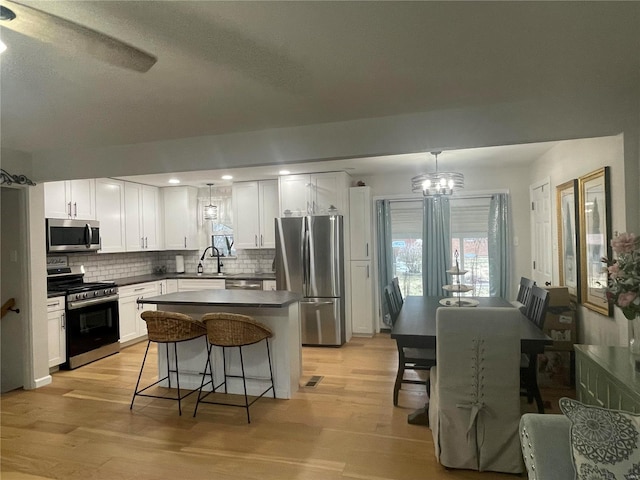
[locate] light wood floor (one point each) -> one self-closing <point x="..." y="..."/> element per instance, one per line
<point x="346" y="427"/>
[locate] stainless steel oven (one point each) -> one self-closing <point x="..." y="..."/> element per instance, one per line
<point x="92" y="326"/>
<point x="92" y="316"/>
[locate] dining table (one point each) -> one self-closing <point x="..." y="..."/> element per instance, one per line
<point x="415" y="327"/>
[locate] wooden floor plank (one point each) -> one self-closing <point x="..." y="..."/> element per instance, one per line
<point x="344" y="427"/>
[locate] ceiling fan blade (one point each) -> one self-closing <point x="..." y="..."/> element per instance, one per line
<point x="76" y="38"/>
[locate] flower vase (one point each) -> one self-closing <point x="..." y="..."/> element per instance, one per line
<point x="634" y="342"/>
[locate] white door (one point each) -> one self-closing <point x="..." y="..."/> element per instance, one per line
<point x="268" y="205"/>
<point x="541" y="242"/>
<point x="57" y="203"/>
<point x="246" y="230"/>
<point x="13" y="258"/>
<point x="150" y="217"/>
<point x="362" y="297"/>
<point x="83" y="199"/>
<point x="294" y="194"/>
<point x="324" y="192"/>
<point x="133" y="213"/>
<point x="110" y="214"/>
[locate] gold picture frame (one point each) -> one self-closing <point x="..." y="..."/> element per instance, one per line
<point x="567" y="206"/>
<point x="595" y="236"/>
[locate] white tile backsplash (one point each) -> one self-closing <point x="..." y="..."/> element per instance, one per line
<point x="108" y="266"/>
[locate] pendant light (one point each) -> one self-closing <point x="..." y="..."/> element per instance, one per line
<point x="211" y="210"/>
<point x="437" y="183"/>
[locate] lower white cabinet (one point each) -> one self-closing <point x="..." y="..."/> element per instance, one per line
<point x="171" y="286"/>
<point x="195" y="284"/>
<point x="362" y="318"/>
<point x="132" y="327"/>
<point x="269" y="285"/>
<point x="56" y="331"/>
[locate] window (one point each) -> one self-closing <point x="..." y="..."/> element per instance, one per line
<point x="406" y="242"/>
<point x="469" y="237"/>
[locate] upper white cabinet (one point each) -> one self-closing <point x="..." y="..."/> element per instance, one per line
<point x="255" y="206"/>
<point x="110" y="214"/>
<point x="143" y="221"/>
<point x="70" y="199"/>
<point x="360" y="222"/>
<point x="180" y="218"/>
<point x="313" y="194"/>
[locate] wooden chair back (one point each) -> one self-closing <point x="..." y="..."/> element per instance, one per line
<point x="393" y="306"/>
<point x="537" y="306"/>
<point x="524" y="292"/>
<point x="396" y="289"/>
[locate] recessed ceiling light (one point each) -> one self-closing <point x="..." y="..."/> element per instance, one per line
<point x="284" y="172"/>
<point x="227" y="177"/>
<point x="174" y="181"/>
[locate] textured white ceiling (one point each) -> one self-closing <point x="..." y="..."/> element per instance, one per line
<point x="244" y="66"/>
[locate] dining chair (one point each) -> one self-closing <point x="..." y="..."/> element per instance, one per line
<point x="416" y="359"/>
<point x="536" y="312"/>
<point x="524" y="294"/>
<point x="474" y="408"/>
<point x="396" y="288"/>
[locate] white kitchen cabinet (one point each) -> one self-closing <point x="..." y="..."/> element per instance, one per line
<point x="180" y="218"/>
<point x="56" y="331"/>
<point x="197" y="284"/>
<point x="313" y="194"/>
<point x="132" y="327"/>
<point x="171" y="286"/>
<point x="75" y="199"/>
<point x="142" y="217"/>
<point x="110" y="213"/>
<point x="360" y="223"/>
<point x="269" y="285"/>
<point x="362" y="318"/>
<point x="255" y="206"/>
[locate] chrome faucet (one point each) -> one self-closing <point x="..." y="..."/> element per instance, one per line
<point x="216" y="254"/>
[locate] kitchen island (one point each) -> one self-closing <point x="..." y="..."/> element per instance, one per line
<point x="279" y="310"/>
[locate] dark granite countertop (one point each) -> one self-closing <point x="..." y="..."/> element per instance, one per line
<point x="152" y="277"/>
<point x="227" y="298"/>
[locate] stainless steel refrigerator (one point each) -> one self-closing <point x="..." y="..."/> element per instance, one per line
<point x="310" y="260"/>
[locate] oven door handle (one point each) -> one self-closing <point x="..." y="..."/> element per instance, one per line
<point x="92" y="301"/>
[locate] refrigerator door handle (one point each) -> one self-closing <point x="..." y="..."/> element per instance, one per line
<point x="318" y="303"/>
<point x="305" y="257"/>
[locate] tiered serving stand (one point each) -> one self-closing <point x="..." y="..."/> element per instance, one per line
<point x="458" y="288"/>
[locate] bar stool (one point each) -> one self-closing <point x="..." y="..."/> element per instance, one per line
<point x="233" y="330"/>
<point x="168" y="327"/>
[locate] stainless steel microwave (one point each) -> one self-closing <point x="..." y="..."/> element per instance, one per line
<point x="72" y="235"/>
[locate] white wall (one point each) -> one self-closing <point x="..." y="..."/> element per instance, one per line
<point x="569" y="160"/>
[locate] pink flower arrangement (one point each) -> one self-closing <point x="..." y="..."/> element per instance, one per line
<point x="623" y="286"/>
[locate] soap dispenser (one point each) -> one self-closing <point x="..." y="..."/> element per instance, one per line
<point x="200" y="268"/>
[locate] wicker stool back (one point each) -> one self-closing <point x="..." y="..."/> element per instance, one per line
<point x="168" y="328"/>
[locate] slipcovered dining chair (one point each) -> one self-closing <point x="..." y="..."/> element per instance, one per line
<point x="536" y="313"/>
<point x="226" y="330"/>
<point x="417" y="359"/>
<point x="474" y="410"/>
<point x="168" y="328"/>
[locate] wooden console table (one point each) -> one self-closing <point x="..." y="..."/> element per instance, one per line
<point x="606" y="378"/>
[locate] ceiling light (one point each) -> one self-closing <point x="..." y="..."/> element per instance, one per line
<point x="3" y="47"/>
<point x="210" y="211"/>
<point x="174" y="181"/>
<point x="436" y="183"/>
<point x="284" y="172"/>
<point x="227" y="177"/>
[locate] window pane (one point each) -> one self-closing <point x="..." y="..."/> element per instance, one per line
<point x="406" y="236"/>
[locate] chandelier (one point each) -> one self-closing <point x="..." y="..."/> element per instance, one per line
<point x="210" y="211"/>
<point x="437" y="183"/>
